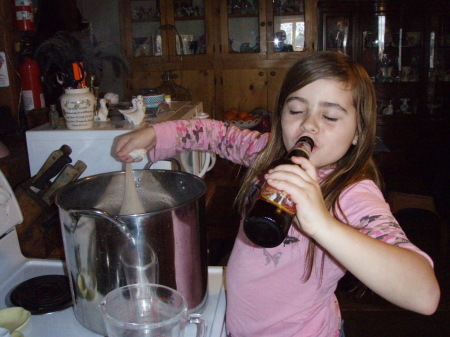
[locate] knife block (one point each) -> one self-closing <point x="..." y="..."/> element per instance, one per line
<point x="39" y="234"/>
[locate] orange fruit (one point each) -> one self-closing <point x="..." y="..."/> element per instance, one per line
<point x="230" y="116"/>
<point x="234" y="111"/>
<point x="243" y="114"/>
<point x="250" y="118"/>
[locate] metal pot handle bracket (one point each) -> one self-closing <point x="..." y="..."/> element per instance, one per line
<point x="77" y="212"/>
<point x="173" y="160"/>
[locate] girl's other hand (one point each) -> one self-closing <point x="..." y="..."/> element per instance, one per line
<point x="140" y="139"/>
<point x="301" y="183"/>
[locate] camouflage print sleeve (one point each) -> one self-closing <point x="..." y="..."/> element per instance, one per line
<point x="228" y="141"/>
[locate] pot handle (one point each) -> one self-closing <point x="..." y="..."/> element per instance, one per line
<point x="173" y="160"/>
<point x="76" y="213"/>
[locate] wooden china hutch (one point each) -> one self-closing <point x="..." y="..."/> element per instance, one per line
<point x="235" y="53"/>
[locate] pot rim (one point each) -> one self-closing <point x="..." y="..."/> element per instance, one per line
<point x="80" y="181"/>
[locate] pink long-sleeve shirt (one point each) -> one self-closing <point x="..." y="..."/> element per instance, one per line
<point x="266" y="295"/>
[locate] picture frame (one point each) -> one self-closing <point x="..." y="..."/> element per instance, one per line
<point x="338" y="33"/>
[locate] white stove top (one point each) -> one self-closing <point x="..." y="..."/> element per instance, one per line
<point x="15" y="269"/>
<point x="64" y="323"/>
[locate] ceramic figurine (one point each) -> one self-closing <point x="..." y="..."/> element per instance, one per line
<point x="131" y="109"/>
<point x="389" y="110"/>
<point x="102" y="112"/>
<point x="135" y="117"/>
<point x="404" y="107"/>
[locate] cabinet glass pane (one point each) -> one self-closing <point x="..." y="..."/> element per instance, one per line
<point x="396" y="47"/>
<point x="190" y="26"/>
<point x="289" y="25"/>
<point x="243" y="26"/>
<point x="145" y="21"/>
<point x="442" y="63"/>
<point x="443" y="50"/>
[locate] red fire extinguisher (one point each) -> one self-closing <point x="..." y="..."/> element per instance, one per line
<point x="24" y="10"/>
<point x="32" y="89"/>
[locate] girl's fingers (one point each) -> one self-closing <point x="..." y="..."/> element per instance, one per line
<point x="140" y="139"/>
<point x="293" y="173"/>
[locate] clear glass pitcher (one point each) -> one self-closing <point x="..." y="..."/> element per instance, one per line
<point x="148" y="310"/>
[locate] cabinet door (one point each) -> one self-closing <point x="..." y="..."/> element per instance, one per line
<point x="275" y="78"/>
<point x="201" y="85"/>
<point x="244" y="89"/>
<point x="142" y="22"/>
<point x="291" y="27"/>
<point x="268" y="29"/>
<point x="339" y="33"/>
<point x="393" y="51"/>
<point x="242" y="29"/>
<point x="189" y="23"/>
<point x="168" y="28"/>
<point x="441" y="98"/>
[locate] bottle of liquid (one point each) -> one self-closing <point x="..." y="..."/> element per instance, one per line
<point x="269" y="219"/>
<point x="53" y="117"/>
<point x="176" y="92"/>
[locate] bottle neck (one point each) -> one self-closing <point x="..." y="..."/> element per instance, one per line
<point x="302" y="148"/>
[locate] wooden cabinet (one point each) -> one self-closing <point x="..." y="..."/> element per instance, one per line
<point x="247" y="89"/>
<point x="228" y="57"/>
<point x="398" y="43"/>
<point x="441" y="25"/>
<point x="166" y="35"/>
<point x="259" y="43"/>
<point x="259" y="29"/>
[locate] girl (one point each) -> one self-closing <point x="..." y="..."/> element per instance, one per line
<point x="342" y="221"/>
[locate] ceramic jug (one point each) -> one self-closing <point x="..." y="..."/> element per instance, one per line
<point x="78" y="107"/>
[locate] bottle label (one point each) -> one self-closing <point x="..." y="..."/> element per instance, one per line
<point x="28" y="101"/>
<point x="278" y="198"/>
<point x="301" y="149"/>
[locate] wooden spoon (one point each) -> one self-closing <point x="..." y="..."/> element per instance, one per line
<point x="131" y="202"/>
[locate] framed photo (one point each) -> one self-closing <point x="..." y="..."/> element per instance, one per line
<point x="338" y="34"/>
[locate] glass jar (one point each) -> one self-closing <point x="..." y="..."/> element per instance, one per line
<point x="176" y="92"/>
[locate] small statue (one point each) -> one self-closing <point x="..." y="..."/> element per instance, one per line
<point x="102" y="112"/>
<point x="135" y="115"/>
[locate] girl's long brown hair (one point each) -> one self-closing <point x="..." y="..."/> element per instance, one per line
<point x="357" y="164"/>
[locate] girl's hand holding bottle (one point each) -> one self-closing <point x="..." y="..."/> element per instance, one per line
<point x="301" y="183"/>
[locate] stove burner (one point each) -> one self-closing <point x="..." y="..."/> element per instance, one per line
<point x="43" y="294"/>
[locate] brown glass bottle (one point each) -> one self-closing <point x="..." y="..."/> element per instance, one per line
<point x="270" y="217"/>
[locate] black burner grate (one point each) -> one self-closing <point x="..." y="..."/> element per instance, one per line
<point x="43" y="294"/>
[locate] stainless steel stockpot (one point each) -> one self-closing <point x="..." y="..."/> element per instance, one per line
<point x="96" y="238"/>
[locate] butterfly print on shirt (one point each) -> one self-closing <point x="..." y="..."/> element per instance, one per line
<point x="289" y="240"/>
<point x="275" y="258"/>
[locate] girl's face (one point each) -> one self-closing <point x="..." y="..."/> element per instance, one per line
<point x="324" y="111"/>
